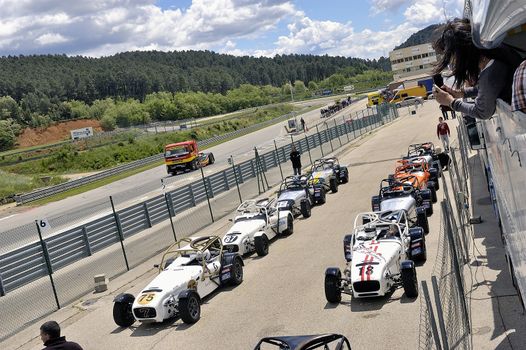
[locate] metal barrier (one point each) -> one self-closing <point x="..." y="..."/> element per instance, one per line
<point x="71" y="257"/>
<point x="505" y="138"/>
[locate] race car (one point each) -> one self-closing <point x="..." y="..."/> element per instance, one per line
<point x="190" y="269"/>
<point x="425" y="150"/>
<point x="330" y="170"/>
<point x="418" y="167"/>
<point x="305" y="342"/>
<point x="296" y="195"/>
<point x="380" y="257"/>
<point x="257" y="222"/>
<point x="394" y="196"/>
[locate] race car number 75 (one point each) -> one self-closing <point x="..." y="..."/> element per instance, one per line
<point x="146" y="298"/>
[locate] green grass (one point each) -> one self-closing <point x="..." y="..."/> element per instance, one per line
<point x="108" y="180"/>
<point x="11" y="184"/>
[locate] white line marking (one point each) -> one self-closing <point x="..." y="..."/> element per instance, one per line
<point x="7" y="217"/>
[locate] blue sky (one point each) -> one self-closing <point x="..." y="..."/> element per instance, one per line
<point x="357" y="28"/>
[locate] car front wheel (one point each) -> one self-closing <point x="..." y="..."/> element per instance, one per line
<point x="190" y="308"/>
<point x="410" y="282"/>
<point x="261" y="245"/>
<point x="122" y="314"/>
<point x="333" y="293"/>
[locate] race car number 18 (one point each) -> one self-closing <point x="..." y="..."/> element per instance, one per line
<point x="368" y="270"/>
<point x="146" y="298"/>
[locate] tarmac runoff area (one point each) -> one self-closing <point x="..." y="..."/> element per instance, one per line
<point x="283" y="294"/>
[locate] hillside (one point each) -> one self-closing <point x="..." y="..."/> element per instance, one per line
<point x="423" y="36"/>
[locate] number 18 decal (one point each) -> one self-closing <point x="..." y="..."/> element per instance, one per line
<point x="368" y="270"/>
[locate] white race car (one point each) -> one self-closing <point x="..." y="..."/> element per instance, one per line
<point x="190" y="269"/>
<point x="256" y="223"/>
<point x="296" y="196"/>
<point x="380" y="257"/>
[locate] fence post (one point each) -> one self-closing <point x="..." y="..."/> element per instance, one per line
<point x="431" y="315"/>
<point x="440" y="313"/>
<point x="2" y="288"/>
<point x="308" y="148"/>
<point x="276" y="156"/>
<point x="48" y="263"/>
<point x="191" y="194"/>
<point x="225" y="179"/>
<point x="329" y="135"/>
<point x="337" y="132"/>
<point x="147" y="214"/>
<point x="346" y="127"/>
<point x="171" y="212"/>
<point x="119" y="231"/>
<point x="319" y="138"/>
<point x="86" y="240"/>
<point x="253" y="168"/>
<point x="206" y="193"/>
<point x="231" y="161"/>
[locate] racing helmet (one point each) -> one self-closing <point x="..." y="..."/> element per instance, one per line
<point x="438" y="150"/>
<point x="369" y="231"/>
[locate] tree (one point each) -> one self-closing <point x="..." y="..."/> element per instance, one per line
<point x="313" y="86"/>
<point x="7" y="135"/>
<point x="299" y="87"/>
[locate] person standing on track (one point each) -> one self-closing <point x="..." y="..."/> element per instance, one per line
<point x="295" y="158"/>
<point x="443" y="133"/>
<point x="303" y="124"/>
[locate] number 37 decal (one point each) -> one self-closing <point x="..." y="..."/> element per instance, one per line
<point x="146" y="298"/>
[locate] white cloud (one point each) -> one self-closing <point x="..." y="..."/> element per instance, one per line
<point x="378" y="6"/>
<point x="50" y="38"/>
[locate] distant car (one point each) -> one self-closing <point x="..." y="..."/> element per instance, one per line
<point x="190" y="269"/>
<point x="380" y="257"/>
<point x="256" y="223"/>
<point x="410" y="101"/>
<point x="296" y="195"/>
<point x="305" y="342"/>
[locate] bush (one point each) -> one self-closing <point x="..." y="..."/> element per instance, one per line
<point x="7" y="135"/>
<point x="108" y="123"/>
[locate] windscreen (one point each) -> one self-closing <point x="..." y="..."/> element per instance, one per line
<point x="177" y="151"/>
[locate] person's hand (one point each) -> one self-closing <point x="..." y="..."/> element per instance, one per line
<point x="442" y="97"/>
<point x="453" y="92"/>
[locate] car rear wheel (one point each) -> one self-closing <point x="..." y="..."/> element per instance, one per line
<point x="290" y="226"/>
<point x="261" y="244"/>
<point x="410" y="282"/>
<point x="190" y="308"/>
<point x="421" y="221"/>
<point x="122" y="314"/>
<point x="323" y="196"/>
<point x="305" y="208"/>
<point x="237" y="272"/>
<point x="211" y="159"/>
<point x="333" y="293"/>
<point x="431" y="186"/>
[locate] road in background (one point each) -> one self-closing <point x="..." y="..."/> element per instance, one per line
<point x="17" y="224"/>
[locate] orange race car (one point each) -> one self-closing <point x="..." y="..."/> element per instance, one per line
<point x="420" y="175"/>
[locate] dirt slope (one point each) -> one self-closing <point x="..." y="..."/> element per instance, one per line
<point x="54" y="133"/>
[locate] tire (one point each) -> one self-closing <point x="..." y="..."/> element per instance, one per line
<point x="333" y="184"/>
<point x="410" y="282"/>
<point x="122" y="314"/>
<point x="398" y="105"/>
<point x="437" y="185"/>
<point x="431" y="186"/>
<point x="211" y="159"/>
<point x="421" y="221"/>
<point x="429" y="210"/>
<point x="305" y="208"/>
<point x="261" y="244"/>
<point x="333" y="293"/>
<point x="237" y="272"/>
<point x="193" y="165"/>
<point x="290" y="226"/>
<point x="190" y="309"/>
<point x="345" y="178"/>
<point x="323" y="197"/>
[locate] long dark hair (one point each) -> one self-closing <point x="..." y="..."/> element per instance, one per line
<point x="455" y="45"/>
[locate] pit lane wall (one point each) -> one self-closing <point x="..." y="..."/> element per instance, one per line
<point x="505" y="165"/>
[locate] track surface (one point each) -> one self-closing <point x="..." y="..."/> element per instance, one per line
<point x="282" y="293"/>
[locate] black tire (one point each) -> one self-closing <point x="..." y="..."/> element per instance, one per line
<point x="333" y="182"/>
<point x="431" y="186"/>
<point x="323" y="196"/>
<point x="193" y="166"/>
<point x="410" y="282"/>
<point x="421" y="221"/>
<point x="122" y="314"/>
<point x="290" y="226"/>
<point x="398" y="105"/>
<point x="429" y="210"/>
<point x="211" y="159"/>
<point x="237" y="272"/>
<point x="305" y="208"/>
<point x="190" y="308"/>
<point x="333" y="293"/>
<point x="345" y="178"/>
<point x="437" y="185"/>
<point x="261" y="244"/>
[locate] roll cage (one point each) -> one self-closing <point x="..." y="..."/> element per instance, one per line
<point x="419" y="149"/>
<point x="396" y="188"/>
<point x="260" y="208"/>
<point x="381" y="221"/>
<point x="324" y="163"/>
<point x="292" y="183"/>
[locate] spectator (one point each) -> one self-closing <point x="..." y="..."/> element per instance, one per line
<point x="489" y="72"/>
<point x="443" y="158"/>
<point x="303" y="124"/>
<point x="443" y="109"/>
<point x="518" y="97"/>
<point x="443" y="133"/>
<point x="50" y="335"/>
<point x="295" y="158"/>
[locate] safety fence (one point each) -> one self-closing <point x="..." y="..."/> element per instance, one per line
<point x="60" y="265"/>
<point x="445" y="313"/>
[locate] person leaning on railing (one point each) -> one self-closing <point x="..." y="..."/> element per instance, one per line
<point x="489" y="72"/>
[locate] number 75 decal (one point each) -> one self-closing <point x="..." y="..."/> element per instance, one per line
<point x="146" y="298"/>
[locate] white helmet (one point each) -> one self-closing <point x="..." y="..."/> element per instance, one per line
<point x="369" y="231"/>
<point x="438" y="150"/>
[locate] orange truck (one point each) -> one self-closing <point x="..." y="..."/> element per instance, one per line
<point x="185" y="155"/>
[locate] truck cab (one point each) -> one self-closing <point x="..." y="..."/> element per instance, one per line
<point x="185" y="155"/>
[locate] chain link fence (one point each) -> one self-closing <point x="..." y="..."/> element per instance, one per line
<point x="56" y="259"/>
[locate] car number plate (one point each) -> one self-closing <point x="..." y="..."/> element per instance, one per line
<point x="417" y="251"/>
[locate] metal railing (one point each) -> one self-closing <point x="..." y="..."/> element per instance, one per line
<point x="72" y="256"/>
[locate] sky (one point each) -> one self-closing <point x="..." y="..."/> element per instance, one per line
<point x="350" y="28"/>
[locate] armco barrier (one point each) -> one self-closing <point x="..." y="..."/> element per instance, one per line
<point x="26" y="264"/>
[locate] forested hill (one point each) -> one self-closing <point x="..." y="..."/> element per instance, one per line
<point x="423" y="36"/>
<point x="136" y="74"/>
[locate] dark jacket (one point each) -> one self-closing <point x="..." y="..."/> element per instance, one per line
<point x="61" y="344"/>
<point x="295" y="158"/>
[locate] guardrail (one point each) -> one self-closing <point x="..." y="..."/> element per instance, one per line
<point x="29" y="263"/>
